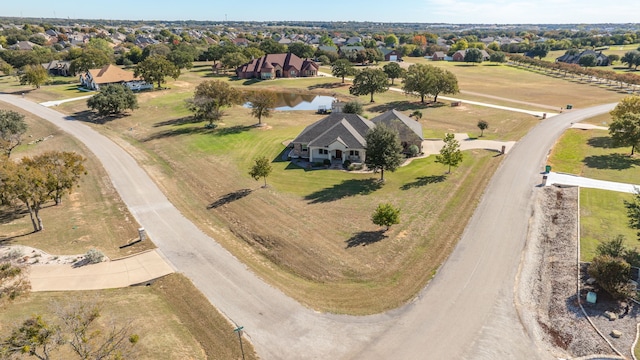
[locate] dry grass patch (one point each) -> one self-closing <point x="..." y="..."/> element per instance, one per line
<point x="173" y="319"/>
<point x="93" y="216"/>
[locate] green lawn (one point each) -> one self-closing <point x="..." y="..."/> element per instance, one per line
<point x="589" y="153"/>
<point x="602" y="217"/>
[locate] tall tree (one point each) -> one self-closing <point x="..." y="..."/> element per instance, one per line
<point x="341" y="68"/>
<point x="155" y="69"/>
<point x="90" y="58"/>
<point x="233" y="59"/>
<point x="631" y="58"/>
<point x="588" y="61"/>
<point x="28" y="184"/>
<point x="63" y="170"/>
<point x="113" y="99"/>
<point x="393" y="71"/>
<point x="270" y="46"/>
<point x="302" y="50"/>
<point x="383" y="150"/>
<point x="391" y="40"/>
<point x="540" y="50"/>
<point x="445" y="82"/>
<point x="261" y="169"/>
<point x="473" y="55"/>
<point x="498" y="57"/>
<point x="386" y="215"/>
<point x="369" y="82"/>
<point x="625" y="130"/>
<point x="211" y="98"/>
<point x="12" y="127"/>
<point x="419" y="79"/>
<point x="628" y="104"/>
<point x="35" y="75"/>
<point x="450" y="153"/>
<point x="262" y="103"/>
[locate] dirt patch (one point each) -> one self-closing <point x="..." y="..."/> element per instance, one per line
<point x="548" y="286"/>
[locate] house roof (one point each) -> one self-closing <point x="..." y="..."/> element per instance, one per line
<point x="111" y="74"/>
<point x="269" y="61"/>
<point x="350" y="129"/>
<point x="397" y="120"/>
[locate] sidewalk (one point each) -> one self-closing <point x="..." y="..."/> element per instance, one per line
<point x="433" y="146"/>
<point x="58" y="102"/>
<point x="574" y="180"/>
<point x="110" y="274"/>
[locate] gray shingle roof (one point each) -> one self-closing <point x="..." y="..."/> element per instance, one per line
<point x="389" y="119"/>
<point x="350" y="129"/>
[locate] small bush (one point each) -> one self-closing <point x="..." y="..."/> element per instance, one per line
<point x="353" y="107"/>
<point x="326" y="162"/>
<point x="354" y="167"/>
<point x="94" y="256"/>
<point x="346" y="164"/>
<point x="413" y="150"/>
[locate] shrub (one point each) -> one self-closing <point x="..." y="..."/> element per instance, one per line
<point x="354" y="167"/>
<point x="353" y="107"/>
<point x="414" y="150"/>
<point x="612" y="274"/>
<point x="346" y="164"/>
<point x="326" y="162"/>
<point x="94" y="256"/>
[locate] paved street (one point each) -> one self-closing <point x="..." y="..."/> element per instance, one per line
<point x="467" y="311"/>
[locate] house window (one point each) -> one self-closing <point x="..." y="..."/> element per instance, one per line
<point x="324" y="152"/>
<point x="293" y="73"/>
<point x="354" y="153"/>
<point x="304" y="148"/>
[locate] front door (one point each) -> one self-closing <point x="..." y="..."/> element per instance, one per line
<point x="338" y="154"/>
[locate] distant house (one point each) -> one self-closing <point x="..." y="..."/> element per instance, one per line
<point x="439" y="56"/>
<point x="240" y="42"/>
<point x="459" y="55"/>
<point x="574" y="58"/>
<point x="23" y="45"/>
<point x="340" y="137"/>
<point x="111" y="74"/>
<point x="273" y="66"/>
<point x="409" y="130"/>
<point x="391" y="55"/>
<point x="58" y="68"/>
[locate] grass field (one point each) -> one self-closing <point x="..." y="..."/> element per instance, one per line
<point x="93" y="216"/>
<point x="589" y="153"/>
<point x="170" y="324"/>
<point x="309" y="232"/>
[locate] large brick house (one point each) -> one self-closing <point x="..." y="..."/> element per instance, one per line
<point x="273" y="66"/>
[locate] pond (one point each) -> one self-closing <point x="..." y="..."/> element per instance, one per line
<point x="293" y="101"/>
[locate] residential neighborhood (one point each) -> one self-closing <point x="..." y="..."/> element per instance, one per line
<point x="163" y="196"/>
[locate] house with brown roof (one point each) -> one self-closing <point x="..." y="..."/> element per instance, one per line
<point x="111" y="74"/>
<point x="273" y="66"/>
<point x="439" y="56"/>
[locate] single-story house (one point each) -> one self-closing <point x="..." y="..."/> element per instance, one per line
<point x="574" y="58"/>
<point x="340" y="137"/>
<point x="459" y="55"/>
<point x="111" y="74"/>
<point x="409" y="130"/>
<point x="439" y="56"/>
<point x="273" y="66"/>
<point x="58" y="68"/>
<point x="391" y="55"/>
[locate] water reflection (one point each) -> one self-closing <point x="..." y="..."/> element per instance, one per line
<point x="294" y="101"/>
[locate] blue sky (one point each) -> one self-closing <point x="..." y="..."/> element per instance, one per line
<point x="427" y="11"/>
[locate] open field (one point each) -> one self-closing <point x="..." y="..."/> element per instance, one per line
<point x="602" y="213"/>
<point x="501" y="80"/>
<point x="309" y="232"/>
<point x="93" y="216"/>
<point x="168" y="326"/>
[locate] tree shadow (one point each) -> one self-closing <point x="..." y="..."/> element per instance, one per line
<point x="9" y="214"/>
<point x="611" y="161"/>
<point x="232" y="130"/>
<point x="404" y="106"/>
<point x="364" y="238"/>
<point x="92" y="117"/>
<point x="177" y="122"/>
<point x="344" y="189"/>
<point x="229" y="198"/>
<point x="333" y="85"/>
<point x="604" y="142"/>
<point x="177" y="132"/>
<point x="424" y="180"/>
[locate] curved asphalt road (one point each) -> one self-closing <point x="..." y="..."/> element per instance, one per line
<point x="467" y="311"/>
